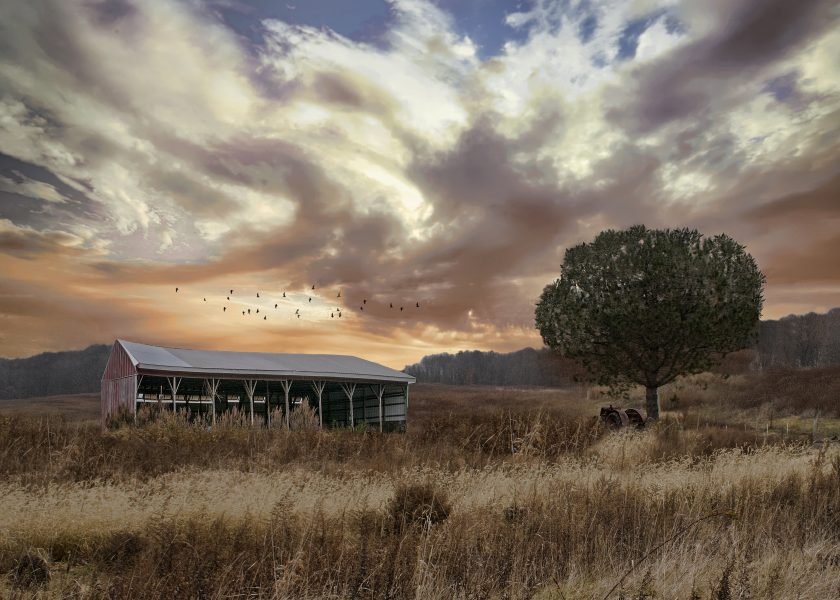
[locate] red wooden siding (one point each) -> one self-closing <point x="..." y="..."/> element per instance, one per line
<point x="119" y="385"/>
<point x="119" y="364"/>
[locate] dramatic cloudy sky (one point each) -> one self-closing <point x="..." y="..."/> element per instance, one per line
<point x="398" y="150"/>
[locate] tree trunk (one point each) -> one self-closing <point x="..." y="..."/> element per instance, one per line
<point x="652" y="398"/>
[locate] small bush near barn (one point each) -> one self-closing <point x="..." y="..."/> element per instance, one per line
<point x="417" y="504"/>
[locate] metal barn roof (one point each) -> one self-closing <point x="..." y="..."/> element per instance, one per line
<point x="257" y="364"/>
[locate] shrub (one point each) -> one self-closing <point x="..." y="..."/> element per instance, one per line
<point x="513" y="514"/>
<point x="418" y="504"/>
<point x="304" y="418"/>
<point x="30" y="570"/>
<point x="723" y="590"/>
<point x="119" y="550"/>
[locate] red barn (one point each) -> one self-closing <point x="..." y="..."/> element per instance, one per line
<point x="342" y="390"/>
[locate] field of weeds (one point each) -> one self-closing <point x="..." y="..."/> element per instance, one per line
<point x="491" y="494"/>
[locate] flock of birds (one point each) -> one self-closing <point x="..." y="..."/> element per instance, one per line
<point x="334" y="313"/>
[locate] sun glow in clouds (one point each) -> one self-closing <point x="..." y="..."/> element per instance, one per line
<point x="149" y="145"/>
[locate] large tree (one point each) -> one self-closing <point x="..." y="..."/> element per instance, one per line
<point x="644" y="306"/>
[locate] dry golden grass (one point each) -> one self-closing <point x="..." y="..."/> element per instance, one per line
<point x="73" y="407"/>
<point x="527" y="497"/>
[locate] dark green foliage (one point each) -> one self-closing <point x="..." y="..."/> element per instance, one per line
<point x="644" y="306"/>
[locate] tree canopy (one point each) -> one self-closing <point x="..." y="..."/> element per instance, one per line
<point x="644" y="306"/>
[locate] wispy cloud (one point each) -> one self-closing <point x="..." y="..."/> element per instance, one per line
<point x="148" y="144"/>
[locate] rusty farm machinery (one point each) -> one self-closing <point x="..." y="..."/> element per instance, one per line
<point x="619" y="418"/>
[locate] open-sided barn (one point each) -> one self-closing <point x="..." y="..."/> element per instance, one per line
<point x="343" y="390"/>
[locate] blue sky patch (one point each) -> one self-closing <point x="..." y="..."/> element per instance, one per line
<point x="587" y="27"/>
<point x="783" y="88"/>
<point x="628" y="41"/>
<point x="368" y="20"/>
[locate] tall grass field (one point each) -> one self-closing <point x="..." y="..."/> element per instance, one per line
<point x="491" y="494"/>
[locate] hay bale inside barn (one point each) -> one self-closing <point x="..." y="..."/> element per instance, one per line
<point x="344" y="391"/>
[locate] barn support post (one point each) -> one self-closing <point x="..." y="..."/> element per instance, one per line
<point x="267" y="405"/>
<point x="349" y="390"/>
<point x="287" y="385"/>
<point x="380" y="391"/>
<point x="216" y="384"/>
<point x="250" y="387"/>
<point x="364" y="404"/>
<point x="318" y="386"/>
<point x="174" y="384"/>
<point x="406" y="406"/>
<point x="138" y="380"/>
<point x="212" y="386"/>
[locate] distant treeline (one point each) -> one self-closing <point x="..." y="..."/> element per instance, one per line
<point x="51" y="373"/>
<point x="523" y="367"/>
<point x="811" y="340"/>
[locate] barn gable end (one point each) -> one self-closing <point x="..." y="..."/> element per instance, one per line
<point x="118" y="389"/>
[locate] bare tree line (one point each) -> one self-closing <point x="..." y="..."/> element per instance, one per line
<point x="52" y="373"/>
<point x="811" y="340"/>
<point x="796" y="341"/>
